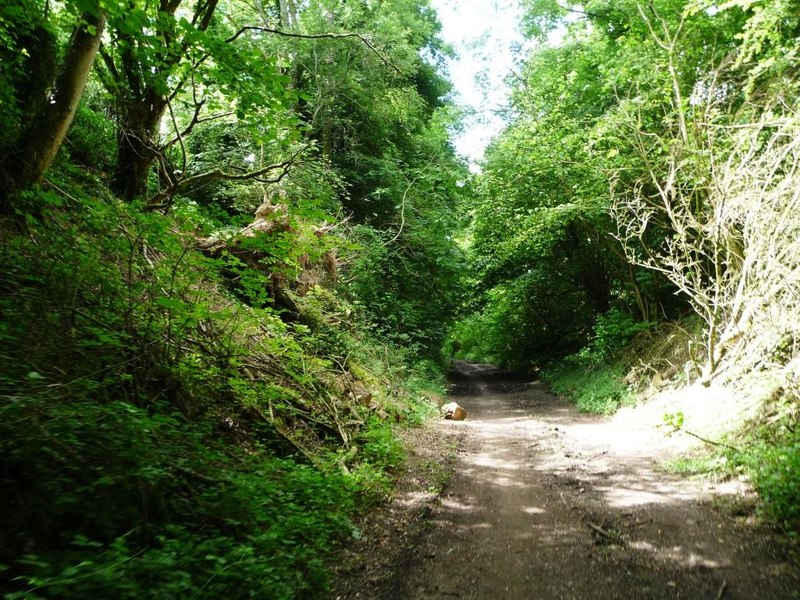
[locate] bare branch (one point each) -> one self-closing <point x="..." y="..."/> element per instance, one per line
<point x="163" y="199"/>
<point x="402" y="213"/>
<point x="178" y="134"/>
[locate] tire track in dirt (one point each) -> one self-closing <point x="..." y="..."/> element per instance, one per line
<point x="546" y="503"/>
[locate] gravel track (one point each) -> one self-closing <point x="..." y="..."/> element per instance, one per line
<point x="546" y="503"/>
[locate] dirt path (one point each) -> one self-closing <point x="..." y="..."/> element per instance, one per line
<point x="548" y="504"/>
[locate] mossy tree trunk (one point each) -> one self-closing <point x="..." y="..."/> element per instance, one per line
<point x="40" y="143"/>
<point x="143" y="91"/>
<point x="137" y="144"/>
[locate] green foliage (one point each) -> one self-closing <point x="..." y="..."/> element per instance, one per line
<point x="613" y="331"/>
<point x="381" y="447"/>
<point x="182" y="394"/>
<point x="594" y="378"/>
<point x="92" y="137"/>
<point x="699" y="465"/>
<point x="768" y="454"/>
<point x="648" y="148"/>
<point x="28" y="54"/>
<point x="425" y="385"/>
<point x="546" y="257"/>
<point x="160" y="438"/>
<point x="542" y="254"/>
<point x="772" y="459"/>
<point x="406" y="287"/>
<point x="767" y="42"/>
<point x="595" y="388"/>
<point x="379" y="452"/>
<point x="379" y="122"/>
<point x="475" y="338"/>
<point x="674" y="420"/>
<point x="266" y="531"/>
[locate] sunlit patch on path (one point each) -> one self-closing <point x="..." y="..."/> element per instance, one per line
<point x="547" y="503"/>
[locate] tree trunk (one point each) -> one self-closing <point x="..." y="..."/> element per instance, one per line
<point x="137" y="145"/>
<point x="42" y="140"/>
<point x="140" y="102"/>
<point x="327" y="138"/>
<point x="292" y="10"/>
<point x="283" y="10"/>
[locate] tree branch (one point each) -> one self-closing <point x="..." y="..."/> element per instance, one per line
<point x="163" y="199"/>
<point x="178" y="134"/>
<point x="112" y="70"/>
<point x="317" y="36"/>
<point x="583" y="13"/>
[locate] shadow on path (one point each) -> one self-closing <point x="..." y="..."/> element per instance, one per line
<point x="547" y="503"/>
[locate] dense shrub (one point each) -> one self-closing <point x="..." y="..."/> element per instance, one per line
<point x="594" y="378"/>
<point x="595" y="388"/>
<point x="159" y="438"/>
<point x="772" y="457"/>
<point x="613" y="331"/>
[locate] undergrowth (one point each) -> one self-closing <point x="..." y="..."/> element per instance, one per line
<point x="595" y="377"/>
<point x="770" y="455"/>
<point x="595" y="388"/>
<point x="169" y="429"/>
<point x="700" y="465"/>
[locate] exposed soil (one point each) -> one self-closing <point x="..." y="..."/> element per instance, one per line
<point x="545" y="503"/>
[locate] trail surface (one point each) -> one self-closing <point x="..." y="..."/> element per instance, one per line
<point x="546" y="503"/>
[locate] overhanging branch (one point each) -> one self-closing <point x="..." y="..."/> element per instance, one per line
<point x="163" y="198"/>
<point x="318" y="36"/>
